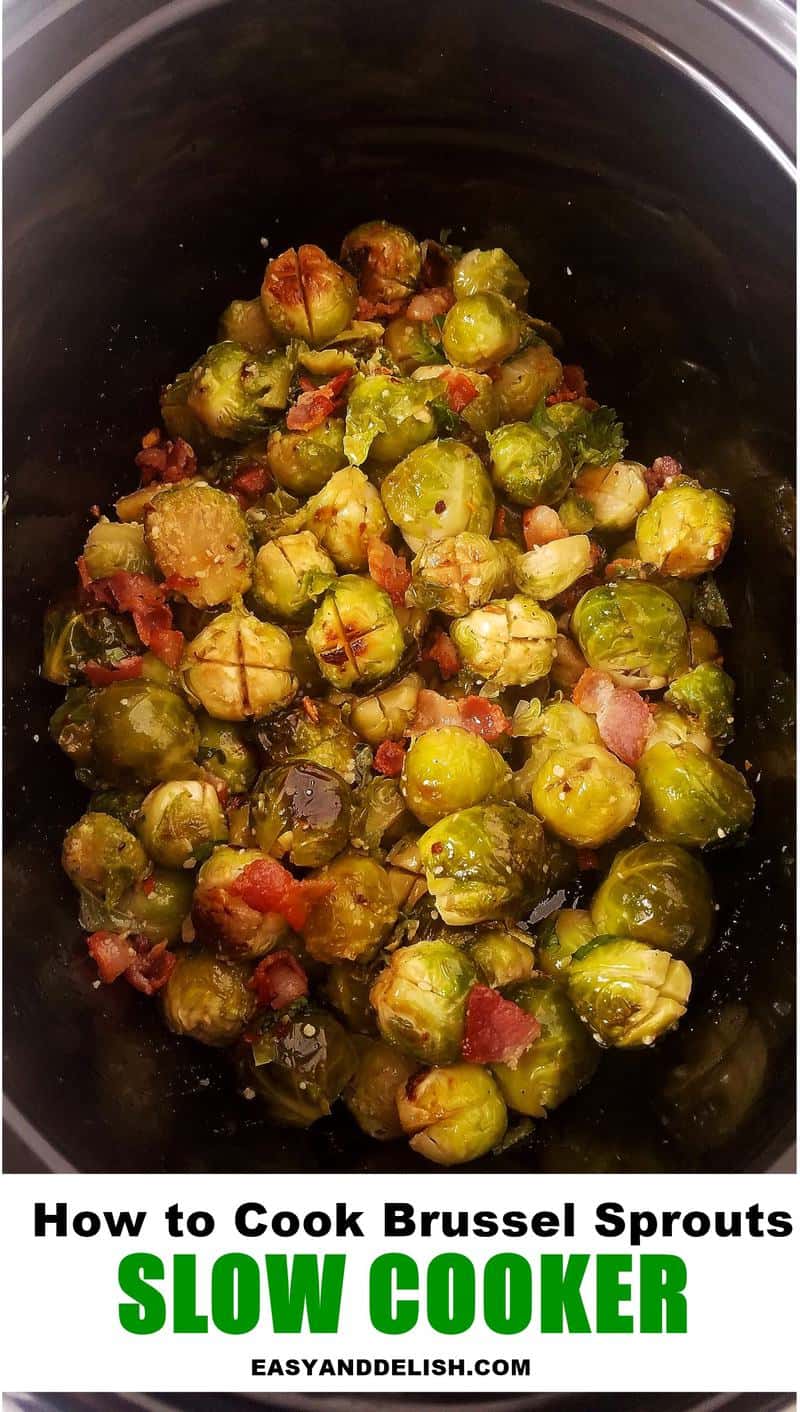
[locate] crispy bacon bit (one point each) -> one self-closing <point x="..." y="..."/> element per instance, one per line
<point x="152" y="967"/>
<point x="250" y="484"/>
<point x="279" y="980"/>
<point x="316" y="404"/>
<point x="588" y="860"/>
<point x="125" y="670"/>
<point x="377" y="309"/>
<point x="663" y="470"/>
<point x="112" y="953"/>
<point x="266" y="886"/>
<point x="439" y="648"/>
<point x="541" y="525"/>
<point x="459" y="390"/>
<point x="311" y="708"/>
<point x="594" y="691"/>
<point x="166" y="462"/>
<point x="623" y="716"/>
<point x="389" y="759"/>
<point x="431" y="304"/>
<point x="483" y="718"/>
<point x="143" y="598"/>
<point x="496" y="1030"/>
<point x="388" y="569"/>
<point x="572" y="387"/>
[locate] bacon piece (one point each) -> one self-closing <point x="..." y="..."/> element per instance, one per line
<point x="433" y="710"/>
<point x="663" y="470"/>
<point x="623" y="716"/>
<point x="250" y="484"/>
<point x="389" y="759"/>
<point x="279" y="980"/>
<point x="125" y="670"/>
<point x="572" y="386"/>
<point x="483" y="718"/>
<point x="496" y="1030"/>
<point x="377" y="309"/>
<point x="388" y="569"/>
<point x="459" y="391"/>
<point x="112" y="953"/>
<point x="152" y="967"/>
<point x="439" y="648"/>
<point x="166" y="462"/>
<point x="266" y="886"/>
<point x="315" y="405"/>
<point x="541" y="525"/>
<point x="431" y="304"/>
<point x="594" y="691"/>
<point x="143" y="598"/>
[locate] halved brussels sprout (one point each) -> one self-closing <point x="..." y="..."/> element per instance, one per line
<point x="635" y="632"/>
<point x="307" y="295"/>
<point x="300" y="811"/>
<point x="585" y="795"/>
<point x="559" y="937"/>
<point x="692" y="798"/>
<point x="318" y="733"/>
<point x="706" y="693"/>
<point x="449" y="768"/>
<point x="503" y="955"/>
<point x="385" y="259"/>
<point x="354" y="634"/>
<point x="455" y="1114"/>
<point x="484" y="863"/>
<point x="481" y="330"/>
<point x="243" y="321"/>
<point x="550" y="569"/>
<point x="672" y="727"/>
<point x="718" y="1079"/>
<point x="371" y="1094"/>
<point x="656" y="893"/>
<point x="558" y="1063"/>
<point x="628" y="993"/>
<point x="281" y="574"/>
<point x="522" y="382"/>
<point x="304" y="461"/>
<point x="420" y="999"/>
<point x="103" y="858"/>
<point x="141" y="732"/>
<point x="387" y="714"/>
<point x="199" y="534"/>
<point x="227" y="753"/>
<point x="489" y="272"/>
<point x="686" y="530"/>
<point x="462" y="572"/>
<point x="344" y="516"/>
<point x="438" y="491"/>
<point x="239" y="667"/>
<point x="232" y="392"/>
<point x="73" y="637"/>
<point x="298" y="1066"/>
<point x="112" y="548"/>
<point x="531" y="464"/>
<point x="223" y="920"/>
<point x="387" y="417"/>
<point x="181" y="822"/>
<point x="207" y="999"/>
<point x="605" y="498"/>
<point x="353" y="920"/>
<point x="509" y="642"/>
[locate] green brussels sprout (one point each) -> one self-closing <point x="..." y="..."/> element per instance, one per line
<point x="387" y="417"/>
<point x="462" y="572"/>
<point x="239" y="667"/>
<point x="181" y="822"/>
<point x="691" y="798"/>
<point x="635" y="632"/>
<point x="420" y="999"/>
<point x="406" y="872"/>
<point x="706" y="693"/>
<point x="354" y="634"/>
<point x="550" y="569"/>
<point x="412" y="344"/>
<point x="605" y="498"/>
<point x="440" y="490"/>
<point x="353" y="920"/>
<point x="199" y="534"/>
<point x="509" y="642"/>
<point x="627" y="992"/>
<point x="531" y="465"/>
<point x="544" y="731"/>
<point x="387" y="714"/>
<point x="371" y="1095"/>
<point x="207" y="999"/>
<point x="227" y="753"/>
<point x="141" y="732"/>
<point x="379" y="816"/>
<point x="484" y="863"/>
<point x="502" y="955"/>
<point x="449" y="768"/>
<point x="298" y="1066"/>
<point x="304" y="461"/>
<point x="481" y="330"/>
<point x="385" y="259"/>
<point x="300" y="811"/>
<point x="72" y="729"/>
<point x="455" y="1114"/>
<point x="559" y="937"/>
<point x="73" y="637"/>
<point x="100" y="856"/>
<point x="656" y="893"/>
<point x="282" y="569"/>
<point x="243" y="321"/>
<point x="671" y="727"/>
<point x="525" y="380"/>
<point x="344" y="516"/>
<point x="560" y="1061"/>
<point x="231" y="392"/>
<point x="347" y="988"/>
<point x="718" y="1079"/>
<point x="686" y="530"/>
<point x="156" y="907"/>
<point x="585" y="795"/>
<point x="112" y="548"/>
<point x="121" y="804"/>
<point x="224" y="921"/>
<point x="319" y="734"/>
<point x="307" y="295"/>
<point x="489" y="272"/>
<point x="593" y="437"/>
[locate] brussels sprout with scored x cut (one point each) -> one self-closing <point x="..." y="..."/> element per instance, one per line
<point x="307" y="295"/>
<point x="239" y="667"/>
<point x="462" y="572"/>
<point x="508" y="642"/>
<point x="282" y="571"/>
<point x="385" y="259"/>
<point x="354" y="634"/>
<point x="628" y="993"/>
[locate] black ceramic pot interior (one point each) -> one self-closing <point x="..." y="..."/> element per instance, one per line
<point x="657" y="235"/>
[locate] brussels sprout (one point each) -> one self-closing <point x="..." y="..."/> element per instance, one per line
<point x="560" y="724"/>
<point x="379" y="815"/>
<point x="385" y="259"/>
<point x="550" y="569"/>
<point x="344" y="516"/>
<point x="509" y="642"/>
<point x="227" y="753"/>
<point x="121" y="804"/>
<point x="112" y="548"/>
<point x="298" y="1066"/>
<point x="304" y="461"/>
<point x="300" y="811"/>
<point x="561" y="1060"/>
<point x="223" y="920"/>
<point x="371" y="1095"/>
<point x="449" y="768"/>
<point x="718" y="1079"/>
<point x="706" y="692"/>
<point x="635" y="632"/>
<point x="420" y="1000"/>
<point x="484" y="863"/>
<point x="462" y="572"/>
<point x="503" y="956"/>
<point x="525" y="380"/>
<point x="691" y="798"/>
<point x="387" y="714"/>
<point x="656" y="893"/>
<point x="585" y="795"/>
<point x="347" y="989"/>
<point x="199" y="534"/>
<point x="354" y="634"/>
<point x="74" y="637"/>
<point x="239" y="667"/>
<point x="141" y="732"/>
<point x="530" y="462"/>
<point x="387" y="417"/>
<point x="232" y="392"/>
<point x="439" y="491"/>
<point x="307" y="295"/>
<point x="317" y="734"/>
<point x="594" y="437"/>
<point x="156" y="907"/>
<point x="282" y="569"/>
<point x="100" y="856"/>
<point x="243" y="321"/>
<point x="446" y="386"/>
<point x="559" y="937"/>
<point x="605" y="498"/>
<point x="627" y="992"/>
<point x="354" y="919"/>
<point x="455" y="1114"/>
<point x="207" y="999"/>
<point x="412" y="344"/>
<point x="406" y="872"/>
<point x="181" y="822"/>
<point x="671" y="727"/>
<point x="481" y="330"/>
<point x="686" y="530"/>
<point x="703" y="646"/>
<point x="489" y="272"/>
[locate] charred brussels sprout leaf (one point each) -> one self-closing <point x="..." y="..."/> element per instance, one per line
<point x="181" y="822"/>
<point x="239" y="667"/>
<point x="706" y="693"/>
<point x="449" y="768"/>
<point x="300" y="811"/>
<point x="371" y="1094"/>
<point x="558" y="1063"/>
<point x="103" y="858"/>
<point x="455" y="1114"/>
<point x="354" y="634"/>
<point x="489" y="272"/>
<point x="207" y="999"/>
<point x="198" y="534"/>
<point x="531" y="463"/>
<point x="387" y="418"/>
<point x="484" y="863"/>
<point x="420" y="1000"/>
<point x="439" y="490"/>
<point x="354" y="919"/>
<point x="299" y="1065"/>
<point x="635" y="632"/>
<point x="304" y="461"/>
<point x="387" y="714"/>
<point x="686" y="530"/>
<point x="509" y="642"/>
<point x="585" y="795"/>
<point x="73" y="637"/>
<point x="628" y="993"/>
<point x="307" y="295"/>
<point x="656" y="893"/>
<point x="481" y="330"/>
<point x="691" y="798"/>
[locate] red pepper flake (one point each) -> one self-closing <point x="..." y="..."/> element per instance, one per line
<point x="391" y="571"/>
<point x="311" y="709"/>
<point x="279" y="980"/>
<point x="440" y="507"/>
<point x="440" y="648"/>
<point x="389" y="759"/>
<point x="437" y="847"/>
<point x="127" y="669"/>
